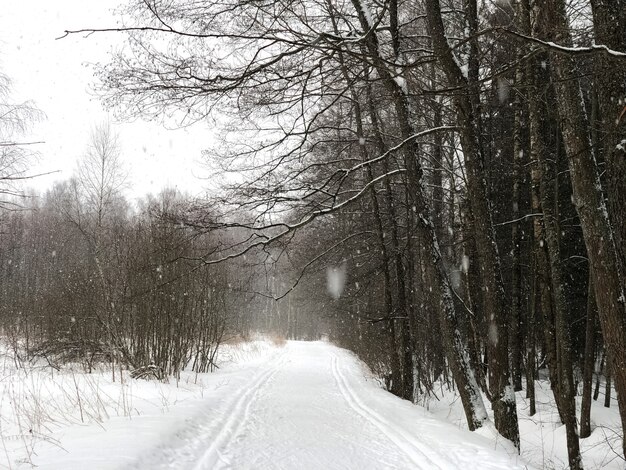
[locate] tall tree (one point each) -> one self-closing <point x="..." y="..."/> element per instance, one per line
<point x="496" y="309"/>
<point x="15" y="153"/>
<point x="588" y="197"/>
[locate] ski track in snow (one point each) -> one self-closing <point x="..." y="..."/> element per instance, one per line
<point x="421" y="457"/>
<point x="307" y="406"/>
<point x="235" y="420"/>
<point x="204" y="442"/>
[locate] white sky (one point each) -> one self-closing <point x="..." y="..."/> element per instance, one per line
<point x="55" y="74"/>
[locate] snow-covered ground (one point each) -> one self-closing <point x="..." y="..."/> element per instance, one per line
<point x="72" y="420"/>
<point x="303" y="405"/>
<point x="543" y="441"/>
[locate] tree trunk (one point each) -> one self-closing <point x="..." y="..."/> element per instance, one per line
<point x="566" y="390"/>
<point x="590" y="346"/>
<point x="407" y="327"/>
<point x="494" y="300"/>
<point x="456" y="351"/>
<point x="609" y="21"/>
<point x="608" y="377"/>
<point x="555" y="324"/>
<point x="531" y="342"/>
<point x="402" y="373"/>
<point x="471" y="268"/>
<point x="588" y="198"/>
<point x="397" y="381"/>
<point x="596" y="389"/>
<point x="519" y="147"/>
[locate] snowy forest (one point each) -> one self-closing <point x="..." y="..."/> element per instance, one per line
<point x="438" y="186"/>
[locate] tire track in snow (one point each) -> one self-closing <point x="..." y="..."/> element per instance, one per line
<point x="416" y="453"/>
<point x="235" y="418"/>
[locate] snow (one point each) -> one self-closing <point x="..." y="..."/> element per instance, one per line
<point x="306" y="405"/>
<point x="336" y="280"/>
<point x="542" y="436"/>
<point x="504" y="89"/>
<point x="509" y="394"/>
<point x="465" y="264"/>
<point x="367" y="13"/>
<point x="401" y="82"/>
<point x="71" y="419"/>
<point x="583" y="50"/>
<point x="493" y="334"/>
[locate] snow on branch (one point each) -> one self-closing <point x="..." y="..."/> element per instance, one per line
<point x="560" y="49"/>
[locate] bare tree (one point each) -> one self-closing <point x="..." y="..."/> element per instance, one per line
<point x="15" y="153"/>
<point x="93" y="203"/>
<point x="101" y="174"/>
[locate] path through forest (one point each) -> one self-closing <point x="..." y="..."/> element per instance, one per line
<point x="308" y="405"/>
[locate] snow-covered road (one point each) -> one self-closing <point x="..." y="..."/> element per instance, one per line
<point x="308" y="405"/>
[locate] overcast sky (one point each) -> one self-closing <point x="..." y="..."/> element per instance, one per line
<point x="56" y="75"/>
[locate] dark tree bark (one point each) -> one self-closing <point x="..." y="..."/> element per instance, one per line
<point x="588" y="198"/>
<point x="590" y="346"/>
<point x="398" y="367"/>
<point x="608" y="381"/>
<point x="494" y="300"/>
<point x="566" y="399"/>
<point x="407" y="328"/>
<point x="402" y="367"/>
<point x="544" y="300"/>
<point x="596" y="389"/>
<point x="609" y="21"/>
<point x="472" y="292"/>
<point x="531" y="343"/>
<point x="554" y="309"/>
<point x="519" y="149"/>
<point x="456" y="351"/>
